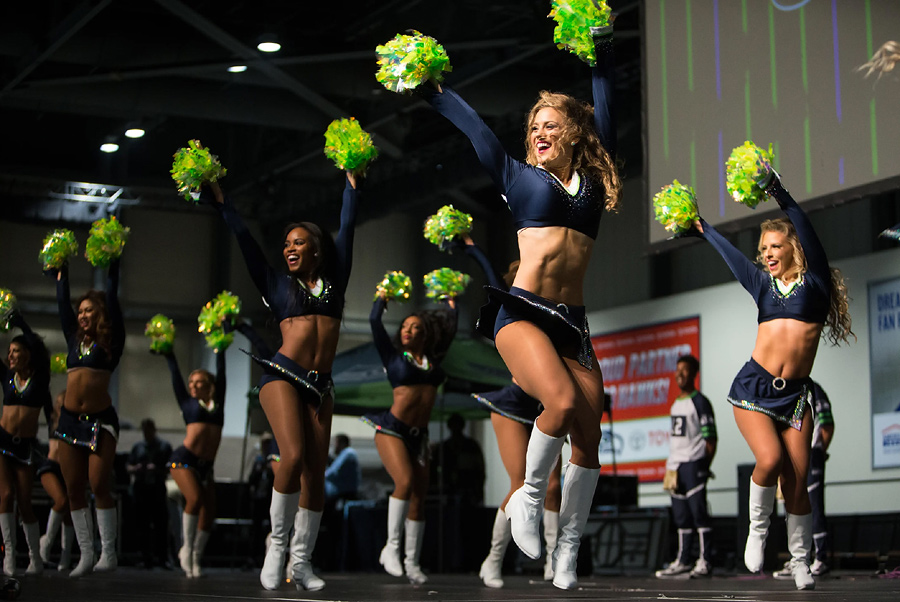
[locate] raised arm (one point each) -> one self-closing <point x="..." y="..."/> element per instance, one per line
<point x="750" y="277"/>
<point x="221" y="381"/>
<point x="382" y="340"/>
<point x="257" y="341"/>
<point x="816" y="259"/>
<point x="344" y="240"/>
<point x="603" y="84"/>
<point x="475" y="252"/>
<point x="115" y="310"/>
<point x="64" y="302"/>
<point x="440" y="350"/>
<point x="181" y="392"/>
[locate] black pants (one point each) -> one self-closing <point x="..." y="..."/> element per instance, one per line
<point x="690" y="511"/>
<point x="152" y="521"/>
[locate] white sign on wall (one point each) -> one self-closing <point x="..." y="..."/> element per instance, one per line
<point x="884" y="337"/>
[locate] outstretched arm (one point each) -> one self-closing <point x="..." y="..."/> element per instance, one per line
<point x="344" y="240"/>
<point x="475" y="252"/>
<point x="115" y="310"/>
<point x="382" y="340"/>
<point x="603" y="84"/>
<point x="64" y="302"/>
<point x="181" y="393"/>
<point x="816" y="259"/>
<point x="750" y="277"/>
<point x="257" y="341"/>
<point x="221" y="381"/>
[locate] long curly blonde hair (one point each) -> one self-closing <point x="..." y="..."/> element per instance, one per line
<point x="884" y="59"/>
<point x="588" y="153"/>
<point x="838" y="322"/>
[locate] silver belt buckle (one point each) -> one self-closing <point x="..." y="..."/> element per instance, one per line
<point x="414" y="431"/>
<point x="779" y="383"/>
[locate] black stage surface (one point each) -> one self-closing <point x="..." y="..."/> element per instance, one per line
<point x="138" y="585"/>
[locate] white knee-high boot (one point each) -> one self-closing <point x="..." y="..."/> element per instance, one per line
<point x="197" y="553"/>
<point x="188" y="534"/>
<point x="84" y="533"/>
<point x="415" y="534"/>
<point x="390" y="554"/>
<point x="33" y="538"/>
<point x="65" y="555"/>
<point x="799" y="532"/>
<point x="108" y="525"/>
<point x="306" y="530"/>
<point x="281" y="514"/>
<point x="577" y="499"/>
<point x="54" y="521"/>
<point x="492" y="568"/>
<point x="551" y="534"/>
<point x="762" y="500"/>
<point x="526" y="503"/>
<point x="8" y="529"/>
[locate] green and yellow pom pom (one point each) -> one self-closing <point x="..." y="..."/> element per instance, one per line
<point x="445" y="283"/>
<point x="445" y="224"/>
<point x="7" y="308"/>
<point x="161" y="331"/>
<point x="407" y="61"/>
<point x="574" y="19"/>
<point x="193" y="167"/>
<point x="106" y="242"/>
<point x="747" y="172"/>
<point x="225" y="306"/>
<point x="396" y="286"/>
<point x="58" y="363"/>
<point x="675" y="207"/>
<point x="349" y="146"/>
<point x="58" y="247"/>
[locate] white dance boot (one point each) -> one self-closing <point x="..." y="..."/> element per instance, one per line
<point x="188" y="534"/>
<point x="199" y="545"/>
<point x="33" y="538"/>
<point x="551" y="533"/>
<point x="8" y="529"/>
<point x="65" y="555"/>
<point x="799" y="532"/>
<point x="281" y="514"/>
<point x="390" y="554"/>
<point x="577" y="500"/>
<point x="526" y="503"/>
<point x="415" y="534"/>
<point x="492" y="568"/>
<point x="306" y="530"/>
<point x="762" y="500"/>
<point x="108" y="525"/>
<point x="84" y="533"/>
<point x="54" y="522"/>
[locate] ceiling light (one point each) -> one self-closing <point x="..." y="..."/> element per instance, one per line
<point x="109" y="147"/>
<point x="134" y="133"/>
<point x="237" y="68"/>
<point x="268" y="42"/>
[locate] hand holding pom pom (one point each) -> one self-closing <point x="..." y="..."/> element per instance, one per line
<point x="106" y="242"/>
<point x="58" y="247"/>
<point x="58" y="363"/>
<point x="161" y="331"/>
<point x="407" y="61"/>
<point x="225" y="306"/>
<point x="349" y="146"/>
<point x="576" y="23"/>
<point x="7" y="308"/>
<point x="447" y="224"/>
<point x="445" y="283"/>
<point x="675" y="207"/>
<point x="396" y="286"/>
<point x="193" y="167"/>
<point x="748" y="173"/>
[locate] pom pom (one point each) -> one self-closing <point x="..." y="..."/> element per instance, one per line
<point x="161" y="331"/>
<point x="7" y="308"/>
<point x="106" y="242"/>
<point x="58" y="363"/>
<point x="445" y="224"/>
<point x="574" y="19"/>
<point x="225" y="306"/>
<point x="58" y="247"/>
<point x="748" y="170"/>
<point x="445" y="283"/>
<point x="409" y="60"/>
<point x="892" y="232"/>
<point x="675" y="207"/>
<point x="194" y="166"/>
<point x="396" y="286"/>
<point x="349" y="146"/>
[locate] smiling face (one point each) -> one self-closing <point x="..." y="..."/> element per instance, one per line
<point x="199" y="385"/>
<point x="684" y="376"/>
<point x="299" y="252"/>
<point x="88" y="316"/>
<point x="18" y="357"/>
<point x="777" y="253"/>
<point x="412" y="334"/>
<point x="547" y="141"/>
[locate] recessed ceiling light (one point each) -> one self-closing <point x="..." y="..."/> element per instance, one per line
<point x="134" y="133"/>
<point x="237" y="68"/>
<point x="268" y="42"/>
<point x="109" y="147"/>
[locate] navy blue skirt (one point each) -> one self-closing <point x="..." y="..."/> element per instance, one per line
<point x="511" y="402"/>
<point x="783" y="400"/>
<point x="416" y="439"/>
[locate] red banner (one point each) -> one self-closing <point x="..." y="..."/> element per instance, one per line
<point x="639" y="375"/>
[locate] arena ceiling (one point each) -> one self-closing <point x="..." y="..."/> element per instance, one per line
<point x="75" y="74"/>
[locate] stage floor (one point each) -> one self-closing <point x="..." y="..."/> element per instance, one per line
<point x="137" y="585"/>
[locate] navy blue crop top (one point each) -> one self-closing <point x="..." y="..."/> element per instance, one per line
<point x="191" y="409"/>
<point x="36" y="393"/>
<point x="93" y="356"/>
<point x="534" y="196"/>
<point x="285" y="296"/>
<point x="400" y="367"/>
<point x="810" y="299"/>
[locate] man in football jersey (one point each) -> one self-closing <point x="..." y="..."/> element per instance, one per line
<point x="692" y="445"/>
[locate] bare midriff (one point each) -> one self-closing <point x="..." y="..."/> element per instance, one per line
<point x="553" y="262"/>
<point x="786" y="347"/>
<point x="310" y="341"/>
<point x="203" y="440"/>
<point x="87" y="390"/>
<point x="413" y="403"/>
<point x="20" y="421"/>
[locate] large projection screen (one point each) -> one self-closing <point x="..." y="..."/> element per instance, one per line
<point x="719" y="72"/>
